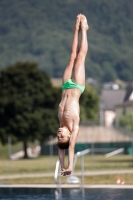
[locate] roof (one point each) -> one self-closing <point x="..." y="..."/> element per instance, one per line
<point x="125" y="104"/>
<point x="111" y="98"/>
<point x="129" y="91"/>
<point x="100" y="134"/>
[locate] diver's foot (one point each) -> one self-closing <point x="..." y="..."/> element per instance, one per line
<point x="77" y="24"/>
<point x="84" y="24"/>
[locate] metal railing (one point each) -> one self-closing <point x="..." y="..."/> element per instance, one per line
<point x="57" y="176"/>
<point x="58" y="191"/>
<point x="57" y="180"/>
<point x="81" y="153"/>
<point x="118" y="151"/>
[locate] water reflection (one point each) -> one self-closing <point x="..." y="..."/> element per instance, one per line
<point x="67" y="194"/>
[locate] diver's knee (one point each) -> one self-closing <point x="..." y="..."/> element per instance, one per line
<point x="81" y="56"/>
<point x="73" y="57"/>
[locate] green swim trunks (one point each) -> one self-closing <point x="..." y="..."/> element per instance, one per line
<point x="70" y="84"/>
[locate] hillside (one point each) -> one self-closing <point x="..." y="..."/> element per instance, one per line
<point x="42" y="31"/>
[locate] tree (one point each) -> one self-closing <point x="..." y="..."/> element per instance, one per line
<point x="126" y="121"/>
<point x="28" y="104"/>
<point x="89" y="104"/>
<point x="48" y="40"/>
<point x="109" y="74"/>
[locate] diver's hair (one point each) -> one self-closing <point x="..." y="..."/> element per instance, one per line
<point x="63" y="144"/>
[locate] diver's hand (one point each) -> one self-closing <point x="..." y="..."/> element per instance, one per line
<point x="66" y="172"/>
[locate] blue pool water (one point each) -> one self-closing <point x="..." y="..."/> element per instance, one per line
<point x="67" y="194"/>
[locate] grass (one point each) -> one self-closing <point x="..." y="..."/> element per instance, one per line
<point x="101" y="179"/>
<point x="38" y="165"/>
<point x="109" y="179"/>
<point x="45" y="164"/>
<point x="4" y="149"/>
<point x="14" y="148"/>
<point x="99" y="162"/>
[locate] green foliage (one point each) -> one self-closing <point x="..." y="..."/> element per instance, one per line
<point x="109" y="74"/>
<point x="28" y="104"/>
<point x="89" y="104"/>
<point x="41" y="31"/>
<point x="126" y="121"/>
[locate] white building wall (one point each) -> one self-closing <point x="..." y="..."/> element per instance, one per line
<point x="109" y="118"/>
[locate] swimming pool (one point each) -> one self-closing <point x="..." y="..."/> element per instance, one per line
<point x="67" y="194"/>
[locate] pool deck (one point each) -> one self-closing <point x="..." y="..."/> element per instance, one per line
<point x="66" y="186"/>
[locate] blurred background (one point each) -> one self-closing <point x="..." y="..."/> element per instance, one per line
<point x="35" y="44"/>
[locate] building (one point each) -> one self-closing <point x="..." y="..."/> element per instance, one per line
<point x="125" y="107"/>
<point x="108" y="100"/>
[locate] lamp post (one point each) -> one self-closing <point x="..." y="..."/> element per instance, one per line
<point x="9" y="152"/>
<point x="51" y="151"/>
<point x="101" y="106"/>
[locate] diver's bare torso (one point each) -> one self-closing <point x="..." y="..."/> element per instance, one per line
<point x="69" y="109"/>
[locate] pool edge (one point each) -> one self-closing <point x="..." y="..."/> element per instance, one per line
<point x="65" y="186"/>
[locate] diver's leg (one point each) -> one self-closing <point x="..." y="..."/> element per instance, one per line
<point x="79" y="67"/>
<point x="68" y="71"/>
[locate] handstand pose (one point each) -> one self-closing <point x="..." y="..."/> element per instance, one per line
<point x="73" y="86"/>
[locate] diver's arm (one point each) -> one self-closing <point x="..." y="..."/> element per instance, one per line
<point x="61" y="153"/>
<point x="73" y="139"/>
<point x="72" y="143"/>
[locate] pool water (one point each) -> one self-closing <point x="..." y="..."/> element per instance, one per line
<point x="67" y="194"/>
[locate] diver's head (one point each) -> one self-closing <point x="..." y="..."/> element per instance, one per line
<point x="63" y="136"/>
